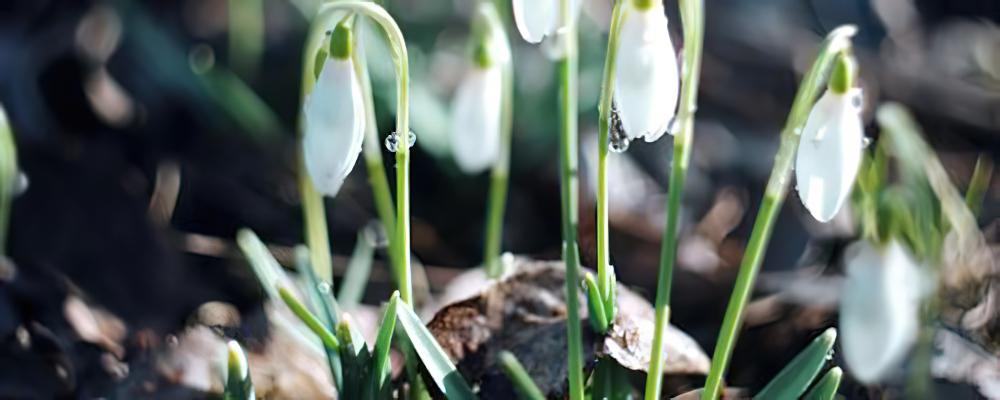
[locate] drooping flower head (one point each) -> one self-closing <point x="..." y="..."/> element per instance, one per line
<point x="831" y="145"/>
<point x="333" y="116"/>
<point x="879" y="307"/>
<point x="538" y="19"/>
<point x="646" y="79"/>
<point x="476" y="108"/>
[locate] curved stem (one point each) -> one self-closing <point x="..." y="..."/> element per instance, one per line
<point x="693" y="21"/>
<point x="568" y="77"/>
<point x="774" y="196"/>
<point x="500" y="175"/>
<point x="327" y="13"/>
<point x="604" y="280"/>
<point x="372" y="150"/>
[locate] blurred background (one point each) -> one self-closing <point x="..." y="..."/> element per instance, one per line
<point x="149" y="132"/>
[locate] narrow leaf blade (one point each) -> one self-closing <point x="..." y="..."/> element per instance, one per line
<point x="440" y="367"/>
<point x="826" y="388"/>
<point x="795" y="378"/>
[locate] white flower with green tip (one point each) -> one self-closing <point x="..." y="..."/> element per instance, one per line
<point x="334" y="118"/>
<point x="646" y="79"/>
<point x="831" y="146"/>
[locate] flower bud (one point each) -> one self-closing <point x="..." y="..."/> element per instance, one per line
<point x="646" y="79"/>
<point x="829" y="153"/>
<point x="333" y="116"/>
<point x="879" y="307"/>
<point x="536" y="19"/>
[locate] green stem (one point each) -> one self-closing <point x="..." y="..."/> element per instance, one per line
<point x="8" y="176"/>
<point x="500" y="176"/>
<point x="604" y="125"/>
<point x="246" y="35"/>
<point x="401" y="232"/>
<point x="693" y="20"/>
<point x="372" y="150"/>
<point x="777" y="188"/>
<point x="568" y="78"/>
<point x="525" y="387"/>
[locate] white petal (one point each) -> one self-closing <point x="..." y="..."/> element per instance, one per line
<point x="879" y="308"/>
<point x="646" y="80"/>
<point x="535" y="19"/>
<point x="475" y="120"/>
<point x="829" y="155"/>
<point x="334" y="126"/>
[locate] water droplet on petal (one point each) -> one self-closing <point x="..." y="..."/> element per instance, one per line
<point x="857" y="99"/>
<point x="21" y="184"/>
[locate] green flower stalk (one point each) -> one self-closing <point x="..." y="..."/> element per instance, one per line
<point x="400" y="141"/>
<point x="8" y="177"/>
<point x="774" y="196"/>
<point x="605" y="281"/>
<point x="537" y="20"/>
<point x="693" y="20"/>
<point x="568" y="145"/>
<point x="481" y="121"/>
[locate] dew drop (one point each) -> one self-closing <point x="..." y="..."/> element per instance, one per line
<point x="857" y="99"/>
<point x="21" y="184"/>
<point x="323" y="287"/>
<point x="866" y="141"/>
<point x="392" y="141"/>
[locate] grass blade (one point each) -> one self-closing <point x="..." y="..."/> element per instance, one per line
<point x="826" y="388"/>
<point x="356" y="358"/>
<point x="352" y="288"/>
<point x="267" y="269"/>
<point x="8" y="176"/>
<point x="380" y="359"/>
<point x="432" y="356"/>
<point x="325" y="305"/>
<point x="314" y="324"/>
<point x="795" y="378"/>
<point x="979" y="183"/>
<point x="523" y="385"/>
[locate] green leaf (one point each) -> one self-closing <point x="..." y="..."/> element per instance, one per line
<point x="352" y="288"/>
<point x="265" y="267"/>
<point x="326" y="307"/>
<point x="978" y="184"/>
<point x="523" y="385"/>
<point x="356" y="358"/>
<point x="826" y="388"/>
<point x="380" y="360"/>
<point x="238" y="383"/>
<point x="440" y="367"/>
<point x="314" y="324"/>
<point x="794" y="379"/>
<point x="595" y="305"/>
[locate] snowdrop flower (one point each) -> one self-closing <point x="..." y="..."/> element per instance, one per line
<point x="879" y="307"/>
<point x="537" y="19"/>
<point x="334" y="117"/>
<point x="239" y="372"/>
<point x="646" y="80"/>
<point x="477" y="106"/>
<point x="831" y="145"/>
